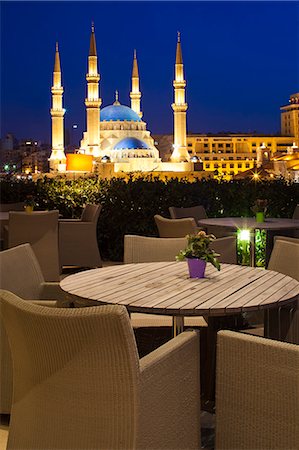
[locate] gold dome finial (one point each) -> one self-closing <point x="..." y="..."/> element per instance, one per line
<point x="135" y="73"/>
<point x="57" y="67"/>
<point x="116" y="98"/>
<point x="92" y="47"/>
<point x="178" y="56"/>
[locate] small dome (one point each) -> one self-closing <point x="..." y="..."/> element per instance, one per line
<point x="131" y="143"/>
<point x="118" y="112"/>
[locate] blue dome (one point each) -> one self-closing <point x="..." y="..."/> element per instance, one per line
<point x="119" y="112"/>
<point x="131" y="143"/>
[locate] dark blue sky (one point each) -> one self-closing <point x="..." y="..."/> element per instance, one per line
<point x="241" y="61"/>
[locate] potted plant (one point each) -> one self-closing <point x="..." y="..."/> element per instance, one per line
<point x="198" y="253"/>
<point x="260" y="208"/>
<point x="29" y="203"/>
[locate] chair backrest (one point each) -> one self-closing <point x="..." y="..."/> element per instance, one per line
<point x="284" y="257"/>
<point x="91" y="213"/>
<point x="296" y="213"/>
<point x="40" y="229"/>
<point x="257" y="395"/>
<point x="5" y="207"/>
<point x="173" y="228"/>
<point x="20" y="272"/>
<point x="138" y="249"/>
<point x="197" y="212"/>
<point x="76" y="376"/>
<point x="227" y="249"/>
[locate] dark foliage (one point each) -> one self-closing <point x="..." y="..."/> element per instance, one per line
<point x="129" y="205"/>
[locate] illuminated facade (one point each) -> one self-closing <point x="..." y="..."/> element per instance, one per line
<point x="290" y="117"/>
<point x="118" y="135"/>
<point x="57" y="159"/>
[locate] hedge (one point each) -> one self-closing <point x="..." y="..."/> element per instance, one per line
<point x="129" y="204"/>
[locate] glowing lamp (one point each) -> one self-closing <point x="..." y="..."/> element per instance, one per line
<point x="194" y="159"/>
<point x="244" y="235"/>
<point x="76" y="162"/>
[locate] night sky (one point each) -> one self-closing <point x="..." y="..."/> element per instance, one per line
<point x="241" y="61"/>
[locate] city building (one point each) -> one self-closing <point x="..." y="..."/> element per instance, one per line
<point x="24" y="156"/>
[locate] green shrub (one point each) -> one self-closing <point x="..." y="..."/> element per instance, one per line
<point x="129" y="205"/>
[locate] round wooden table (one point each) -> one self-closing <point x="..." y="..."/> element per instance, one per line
<point x="250" y="223"/>
<point x="165" y="288"/>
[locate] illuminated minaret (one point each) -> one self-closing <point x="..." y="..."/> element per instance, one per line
<point x="179" y="107"/>
<point x="93" y="102"/>
<point x="135" y="94"/>
<point x="57" y="159"/>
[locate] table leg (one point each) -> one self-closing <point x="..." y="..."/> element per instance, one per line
<point x="177" y="325"/>
<point x="208" y="340"/>
<point x="252" y="248"/>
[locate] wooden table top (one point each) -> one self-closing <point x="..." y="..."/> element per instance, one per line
<point x="251" y="223"/>
<point x="165" y="288"/>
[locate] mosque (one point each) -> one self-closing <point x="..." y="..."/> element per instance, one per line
<point x="118" y="138"/>
<point x="116" y="133"/>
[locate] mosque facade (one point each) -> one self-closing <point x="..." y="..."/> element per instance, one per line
<point x="116" y="133"/>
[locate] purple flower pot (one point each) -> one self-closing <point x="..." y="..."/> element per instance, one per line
<point x="196" y="267"/>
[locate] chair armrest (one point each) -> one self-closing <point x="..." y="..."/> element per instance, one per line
<point x="170" y="394"/>
<point x="50" y="290"/>
<point x="73" y="231"/>
<point x="69" y="220"/>
<point x="49" y="303"/>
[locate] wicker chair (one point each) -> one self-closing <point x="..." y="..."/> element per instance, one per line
<point x="257" y="395"/>
<point x="78" y="245"/>
<point x="20" y="273"/>
<point x="296" y="213"/>
<point x="5" y="207"/>
<point x="40" y="229"/>
<point x="79" y="383"/>
<point x="197" y="212"/>
<point x="175" y="228"/>
<point x="284" y="258"/>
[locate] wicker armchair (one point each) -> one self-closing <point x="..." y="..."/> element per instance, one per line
<point x="197" y="212"/>
<point x="40" y="229"/>
<point x="79" y="383"/>
<point x="20" y="273"/>
<point x="257" y="396"/>
<point x="78" y="244"/>
<point x="175" y="228"/>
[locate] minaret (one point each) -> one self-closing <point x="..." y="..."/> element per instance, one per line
<point x="179" y="107"/>
<point x="135" y="94"/>
<point x="93" y="102"/>
<point x="57" y="159"/>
